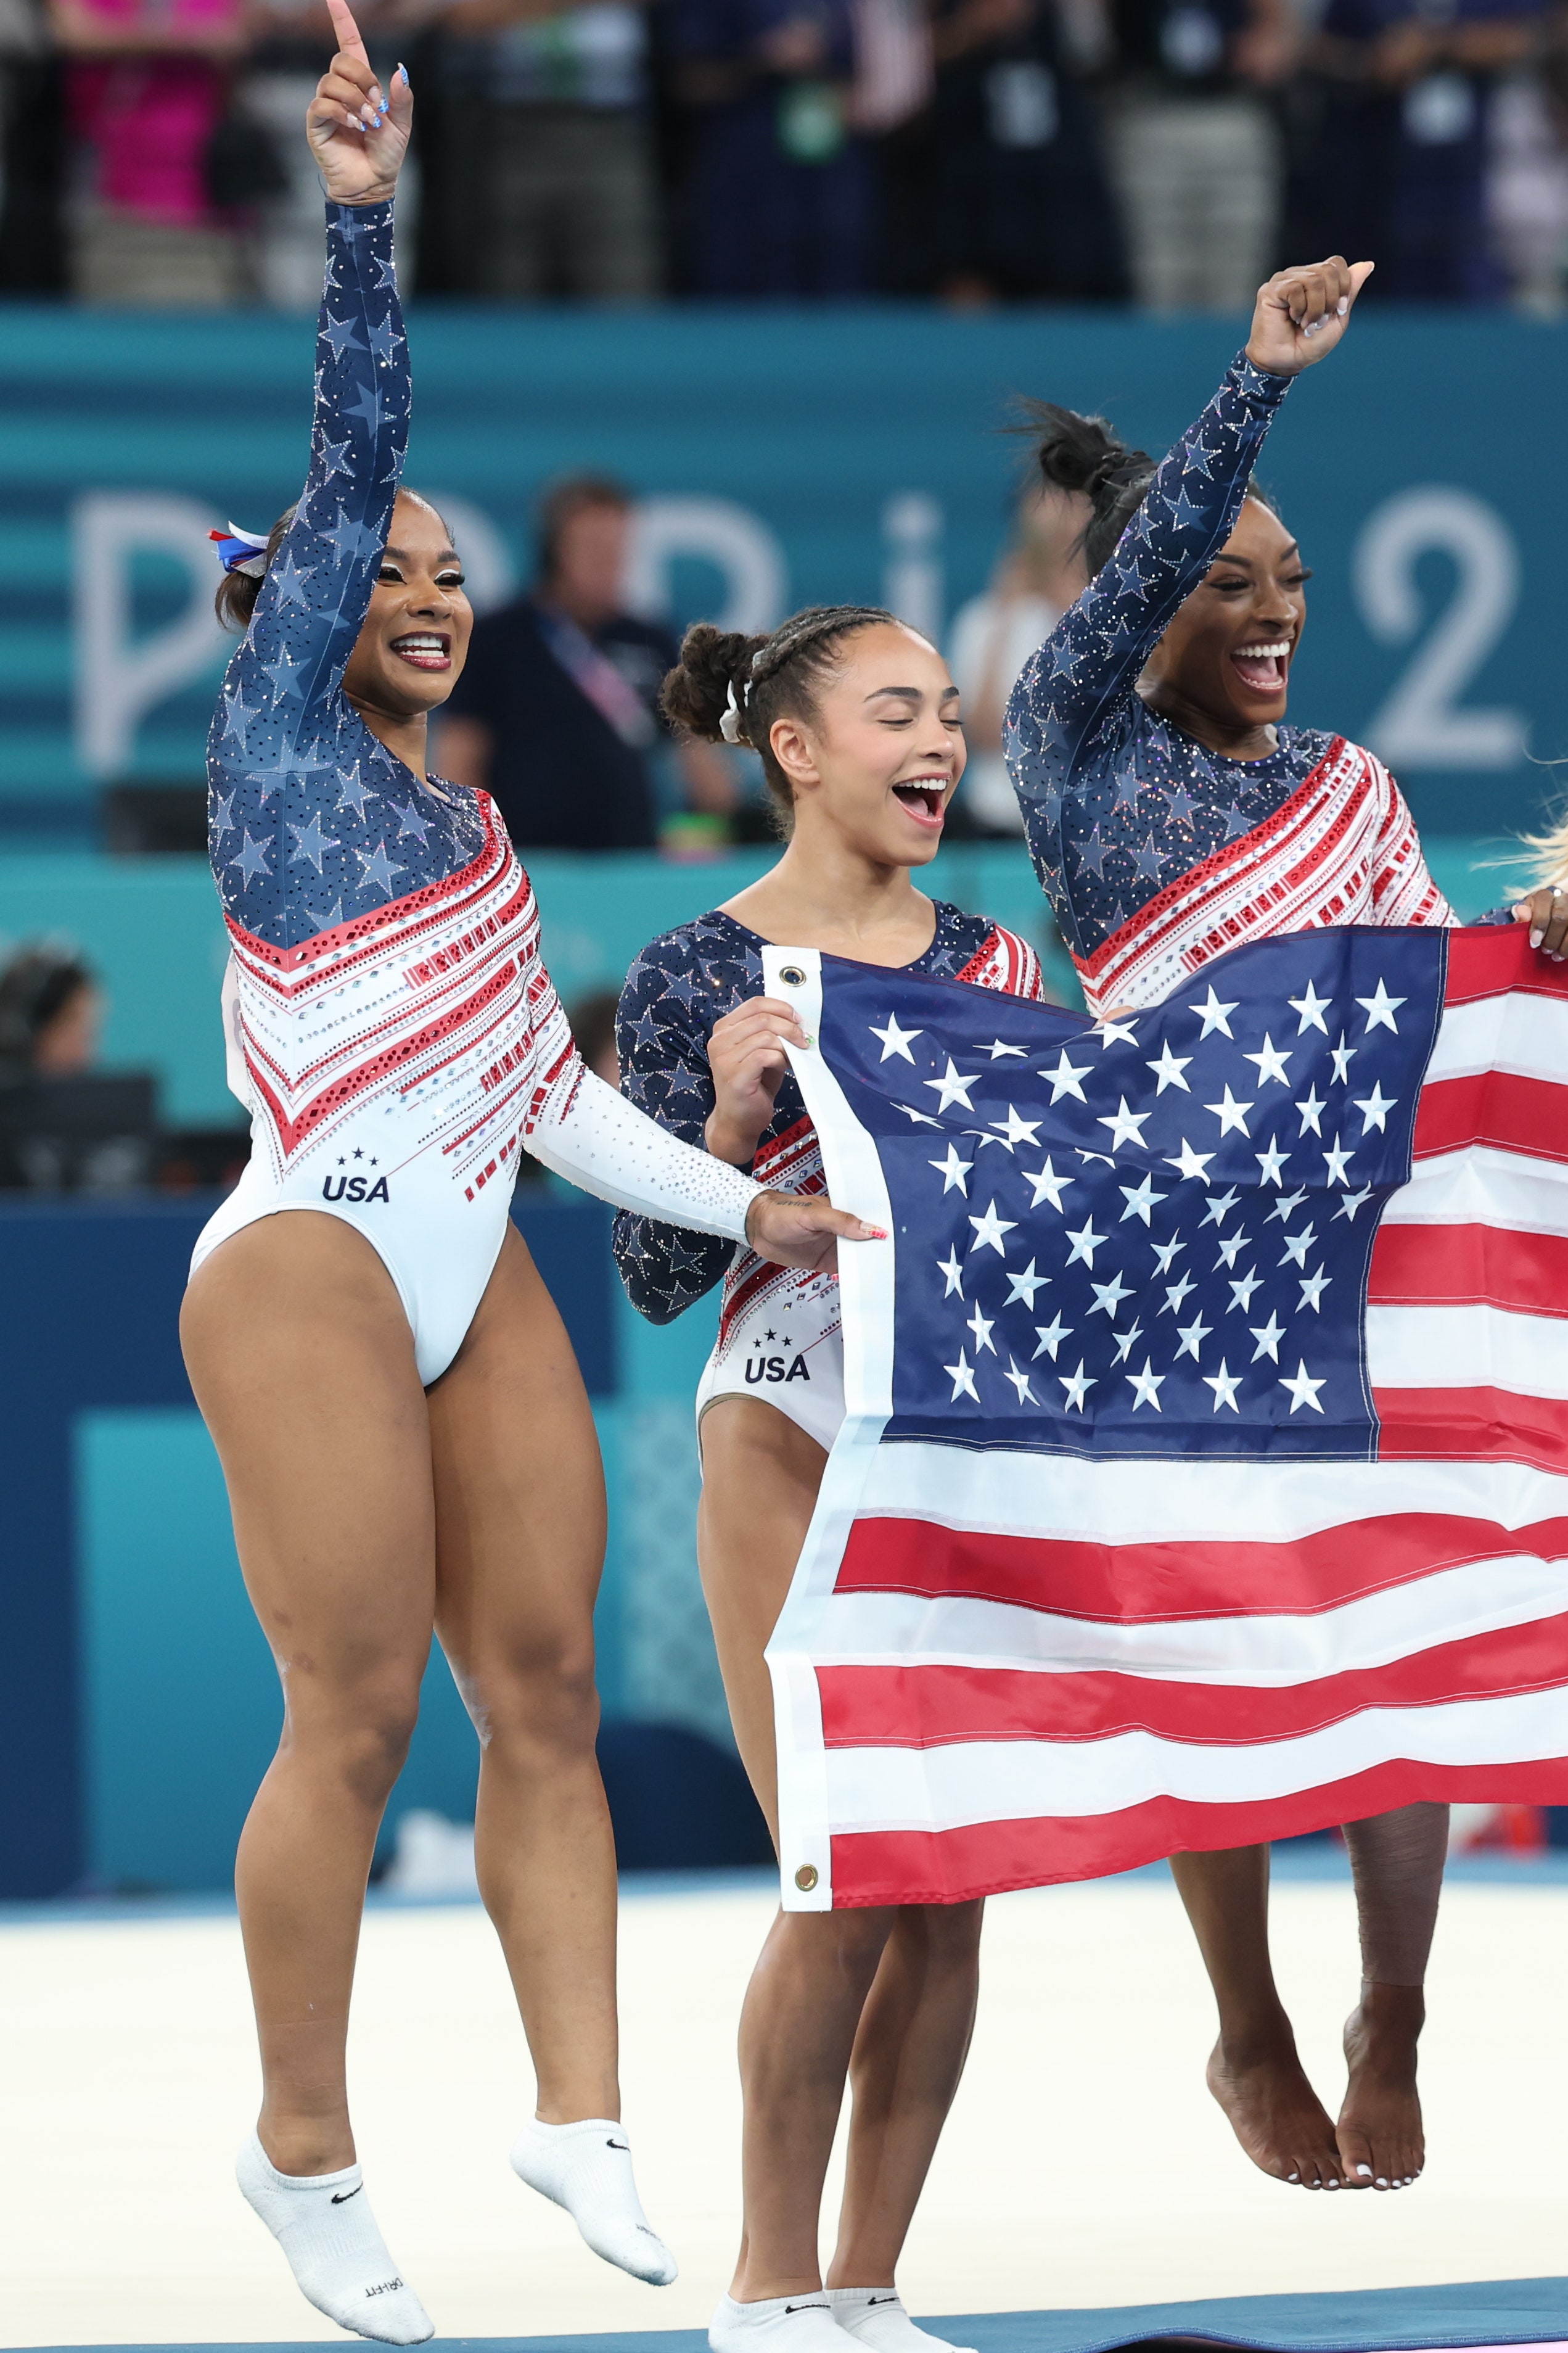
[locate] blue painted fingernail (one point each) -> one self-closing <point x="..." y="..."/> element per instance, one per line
<point x="402" y="75"/>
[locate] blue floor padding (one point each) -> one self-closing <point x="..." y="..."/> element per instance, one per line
<point x="1372" y="2320"/>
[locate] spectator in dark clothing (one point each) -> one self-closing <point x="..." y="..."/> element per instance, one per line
<point x="1022" y="206"/>
<point x="779" y="196"/>
<point x="1399" y="166"/>
<point x="556" y="712"/>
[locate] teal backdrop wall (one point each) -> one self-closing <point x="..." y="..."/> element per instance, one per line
<point x="782" y="458"/>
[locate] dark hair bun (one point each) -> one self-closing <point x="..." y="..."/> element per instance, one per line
<point x="1082" y="453"/>
<point x="696" y="693"/>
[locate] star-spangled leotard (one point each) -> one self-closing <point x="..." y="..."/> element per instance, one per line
<point x="1156" y="853"/>
<point x="779" y="1333"/>
<point x="391" y="1026"/>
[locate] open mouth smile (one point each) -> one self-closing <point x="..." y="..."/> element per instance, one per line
<point x="923" y="799"/>
<point x="424" y="649"/>
<point x="1263" y="666"/>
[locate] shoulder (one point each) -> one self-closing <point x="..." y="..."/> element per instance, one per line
<point x="707" y="963"/>
<point x="973" y="948"/>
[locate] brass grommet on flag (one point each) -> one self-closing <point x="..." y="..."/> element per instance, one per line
<point x="792" y="976"/>
<point x="806" y="1877"/>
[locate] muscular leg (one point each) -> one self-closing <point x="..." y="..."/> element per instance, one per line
<point x="1253" y="2072"/>
<point x="520" y="1518"/>
<point x="303" y="1364"/>
<point x="1398" y="1861"/>
<point x="886" y="1997"/>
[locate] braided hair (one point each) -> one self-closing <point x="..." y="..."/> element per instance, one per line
<point x="1083" y="453"/>
<point x="730" y="688"/>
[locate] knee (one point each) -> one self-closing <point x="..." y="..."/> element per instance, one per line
<point x="540" y="1703"/>
<point x="359" y="1734"/>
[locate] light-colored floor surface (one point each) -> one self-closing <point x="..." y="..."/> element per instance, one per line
<point x="1084" y="2163"/>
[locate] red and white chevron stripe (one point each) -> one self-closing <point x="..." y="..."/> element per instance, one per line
<point x="436" y="1009"/>
<point x="1342" y="849"/>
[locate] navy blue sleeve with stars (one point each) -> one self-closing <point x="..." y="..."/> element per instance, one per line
<point x="1116" y="801"/>
<point x="311" y="821"/>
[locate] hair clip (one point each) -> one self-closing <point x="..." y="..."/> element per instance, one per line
<point x="240" y="551"/>
<point x="730" y="720"/>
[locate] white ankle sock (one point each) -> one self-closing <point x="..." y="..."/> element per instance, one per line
<point x="323" y="2223"/>
<point x="877" y="2316"/>
<point x="781" y="2324"/>
<point x="587" y="2168"/>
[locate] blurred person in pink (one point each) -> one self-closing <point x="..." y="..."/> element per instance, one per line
<point x="147" y="85"/>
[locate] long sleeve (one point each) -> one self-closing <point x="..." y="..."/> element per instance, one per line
<point x="603" y="1143"/>
<point x="1073" y="701"/>
<point x="301" y="816"/>
<point x="663" y="1050"/>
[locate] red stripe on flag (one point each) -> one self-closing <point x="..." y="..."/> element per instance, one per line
<point x="1478" y="1425"/>
<point x="1494" y="1107"/>
<point x="986" y="1858"/>
<point x="1149" y="1582"/>
<point x="941" y="1705"/>
<point x="1456" y="1266"/>
<point x="1488" y="959"/>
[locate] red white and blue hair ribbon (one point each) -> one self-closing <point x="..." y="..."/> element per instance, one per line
<point x="240" y="551"/>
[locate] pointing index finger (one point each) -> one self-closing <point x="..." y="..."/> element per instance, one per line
<point x="347" y="31"/>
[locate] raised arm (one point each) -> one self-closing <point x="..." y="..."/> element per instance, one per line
<point x="1089" y="665"/>
<point x="282" y="705"/>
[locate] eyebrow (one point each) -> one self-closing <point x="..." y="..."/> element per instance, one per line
<point x="447" y="556"/>
<point x="1246" y="562"/>
<point x="910" y="693"/>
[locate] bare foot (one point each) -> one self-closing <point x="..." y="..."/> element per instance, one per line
<point x="1274" y="2113"/>
<point x="1380" y="2136"/>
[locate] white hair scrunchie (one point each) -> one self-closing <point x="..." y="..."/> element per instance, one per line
<point x="730" y="721"/>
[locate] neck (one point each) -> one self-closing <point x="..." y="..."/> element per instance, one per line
<point x="1232" y="741"/>
<point x="406" y="737"/>
<point x="824" y="893"/>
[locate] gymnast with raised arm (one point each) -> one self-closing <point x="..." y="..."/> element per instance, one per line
<point x="402" y="1426"/>
<point x="1172" y="815"/>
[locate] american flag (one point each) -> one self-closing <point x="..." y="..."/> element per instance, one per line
<point x="1205" y="1472"/>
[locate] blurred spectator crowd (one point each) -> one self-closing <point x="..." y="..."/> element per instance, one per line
<point x="1167" y="151"/>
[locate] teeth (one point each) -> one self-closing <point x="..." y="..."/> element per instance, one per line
<point x="1262" y="653"/>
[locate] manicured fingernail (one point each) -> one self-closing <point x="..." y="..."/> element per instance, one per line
<point x="403" y="76"/>
<point x="1536" y="937"/>
<point x="1343" y="305"/>
<point x="1366" y="2170"/>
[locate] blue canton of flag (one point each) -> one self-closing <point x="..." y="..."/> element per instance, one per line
<point x="1146" y="1236"/>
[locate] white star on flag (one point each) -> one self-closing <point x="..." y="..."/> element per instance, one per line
<point x="1225" y="1385"/>
<point x="1312" y="1108"/>
<point x="952" y="1087"/>
<point x="1352" y="1203"/>
<point x="950" y="1267"/>
<point x="1303" y="1388"/>
<point x="1115" y="1033"/>
<point x="1192" y="1336"/>
<point x="999" y="1047"/>
<point x="1296" y="1246"/>
<point x="1109" y="1296"/>
<point x="1014" y="1130"/>
<point x="1175" y="1295"/>
<point x="1168" y="1070"/>
<point x="961" y="1376"/>
<point x="1311" y="1008"/>
<point x="1023" y="1286"/>
<point x="1164" y="1253"/>
<point x="1231" y="1114"/>
<point x="1076" y="1386"/>
<point x="1065" y="1078"/>
<point x="1312" y="1289"/>
<point x="1270" y="1063"/>
<point x="1338" y="1159"/>
<point x="1050" y="1337"/>
<point x="1220" y="1205"/>
<point x="896" y="1041"/>
<point x="1380" y="1010"/>
<point x="1271" y="1164"/>
<point x="1146" y="1386"/>
<point x="982" y="1326"/>
<point x="1020" y="1382"/>
<point x="1374" y="1108"/>
<point x="1046" y="1181"/>
<point x="1126" y="1126"/>
<point x="1231" y="1248"/>
<point x="989" y="1231"/>
<point x="1140" y="1201"/>
<point x="1216" y="1016"/>
<point x="952" y="1170"/>
<point x="1085" y="1242"/>
<point x="1342" y="1056"/>
<point x="1241" y="1292"/>
<point x="1268" y="1337"/>
<point x="1124" y="1341"/>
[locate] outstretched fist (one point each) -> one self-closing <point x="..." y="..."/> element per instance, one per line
<point x="358" y="131"/>
<point x="1302" y="312"/>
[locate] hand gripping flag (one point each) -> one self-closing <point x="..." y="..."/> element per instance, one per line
<point x="1206" y="1472"/>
